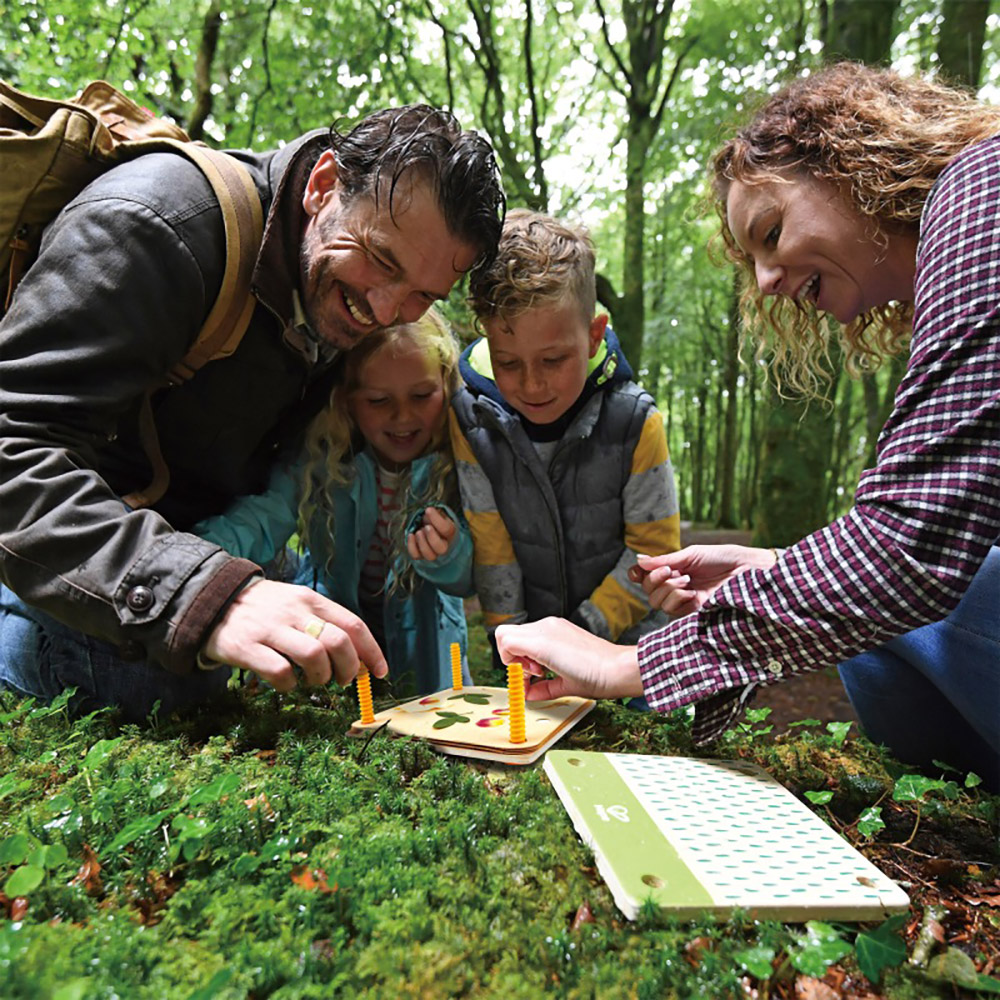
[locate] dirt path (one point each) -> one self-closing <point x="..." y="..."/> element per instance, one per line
<point x="817" y="695"/>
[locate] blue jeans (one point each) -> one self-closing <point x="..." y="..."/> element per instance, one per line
<point x="39" y="657"/>
<point x="934" y="693"/>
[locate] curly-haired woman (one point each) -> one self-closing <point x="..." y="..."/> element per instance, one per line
<point x="873" y="199"/>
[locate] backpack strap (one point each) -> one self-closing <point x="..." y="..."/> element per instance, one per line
<point x="243" y="220"/>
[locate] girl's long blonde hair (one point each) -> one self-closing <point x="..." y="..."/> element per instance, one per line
<point x="883" y="139"/>
<point x="333" y="440"/>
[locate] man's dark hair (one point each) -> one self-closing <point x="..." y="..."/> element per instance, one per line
<point x="460" y="165"/>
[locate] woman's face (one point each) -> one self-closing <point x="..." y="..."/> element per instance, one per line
<point x="808" y="242"/>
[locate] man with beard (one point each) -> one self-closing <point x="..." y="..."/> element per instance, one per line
<point x="363" y="229"/>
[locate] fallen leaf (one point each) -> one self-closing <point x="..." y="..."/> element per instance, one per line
<point x="89" y="873"/>
<point x="807" y="988"/>
<point x="695" y="948"/>
<point x="259" y="802"/>
<point x="18" y="908"/>
<point x="311" y="879"/>
<point x="584" y="915"/>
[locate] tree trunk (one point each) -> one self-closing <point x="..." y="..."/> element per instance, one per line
<point x="960" y="39"/>
<point x="792" y="498"/>
<point x="860" y="30"/>
<point x="729" y="442"/>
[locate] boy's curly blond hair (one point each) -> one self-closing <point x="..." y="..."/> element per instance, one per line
<point x="541" y="262"/>
<point x="881" y="138"/>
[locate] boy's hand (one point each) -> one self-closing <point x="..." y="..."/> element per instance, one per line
<point x="679" y="583"/>
<point x="433" y="538"/>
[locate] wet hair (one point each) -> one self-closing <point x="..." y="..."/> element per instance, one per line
<point x="429" y="144"/>
<point x="333" y="440"/>
<point x="540" y="262"/>
<point x="882" y="139"/>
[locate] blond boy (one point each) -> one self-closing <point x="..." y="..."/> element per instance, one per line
<point x="562" y="459"/>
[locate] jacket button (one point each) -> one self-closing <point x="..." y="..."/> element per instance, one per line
<point x="140" y="599"/>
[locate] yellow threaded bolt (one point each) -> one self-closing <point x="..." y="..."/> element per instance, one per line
<point x="515" y="694"/>
<point x="456" y="667"/>
<point x="365" y="696"/>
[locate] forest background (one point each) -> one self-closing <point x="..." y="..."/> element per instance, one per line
<point x="601" y="111"/>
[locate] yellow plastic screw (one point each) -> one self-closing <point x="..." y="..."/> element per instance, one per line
<point x="456" y="667"/>
<point x="365" y="696"/>
<point x="515" y="694"/>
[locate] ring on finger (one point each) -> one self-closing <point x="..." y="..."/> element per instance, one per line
<point x="314" y="626"/>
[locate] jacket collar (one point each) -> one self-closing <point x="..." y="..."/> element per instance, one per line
<point x="276" y="273"/>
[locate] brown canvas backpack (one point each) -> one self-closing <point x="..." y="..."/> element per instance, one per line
<point x="51" y="149"/>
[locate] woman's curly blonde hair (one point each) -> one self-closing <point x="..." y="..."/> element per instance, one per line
<point x="333" y="440"/>
<point x="883" y="139"/>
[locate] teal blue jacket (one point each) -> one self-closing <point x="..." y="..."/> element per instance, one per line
<point x="419" y="626"/>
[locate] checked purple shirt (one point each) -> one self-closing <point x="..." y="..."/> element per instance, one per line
<point x="923" y="519"/>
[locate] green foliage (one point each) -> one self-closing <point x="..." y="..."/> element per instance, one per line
<point x="262" y="852"/>
<point x="881" y="948"/>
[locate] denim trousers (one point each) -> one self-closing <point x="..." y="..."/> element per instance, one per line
<point x="933" y="694"/>
<point x="40" y="658"/>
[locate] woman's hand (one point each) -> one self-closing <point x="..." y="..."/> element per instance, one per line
<point x="434" y="536"/>
<point x="679" y="583"/>
<point x="585" y="664"/>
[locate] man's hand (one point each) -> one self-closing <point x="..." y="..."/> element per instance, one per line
<point x="586" y="665"/>
<point x="679" y="583"/>
<point x="263" y="631"/>
<point x="433" y="538"/>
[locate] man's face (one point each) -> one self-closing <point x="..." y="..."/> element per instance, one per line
<point x="362" y="268"/>
<point x="540" y="358"/>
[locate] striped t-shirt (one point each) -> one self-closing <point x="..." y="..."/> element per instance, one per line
<point x="375" y="569"/>
<point x="924" y="517"/>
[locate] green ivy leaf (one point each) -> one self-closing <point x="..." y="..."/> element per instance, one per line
<point x="100" y="752"/>
<point x="839" y="731"/>
<point x="819" y="798"/>
<point x="805" y="722"/>
<point x="757" y="960"/>
<point x="882" y="948"/>
<point x="223" y="785"/>
<point x="14" y="849"/>
<point x="913" y="787"/>
<point x="134" y="830"/>
<point x="870" y="822"/>
<point x="25" y="879"/>
<point x="817" y="949"/>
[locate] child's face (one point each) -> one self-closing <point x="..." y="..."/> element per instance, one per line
<point x="399" y="403"/>
<point x="540" y="359"/>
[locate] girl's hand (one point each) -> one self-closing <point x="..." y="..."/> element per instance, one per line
<point x="433" y="538"/>
<point x="679" y="583"/>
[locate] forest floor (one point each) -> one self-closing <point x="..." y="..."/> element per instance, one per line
<point x="256" y="851"/>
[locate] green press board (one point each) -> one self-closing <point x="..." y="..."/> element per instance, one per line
<point x="698" y="836"/>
